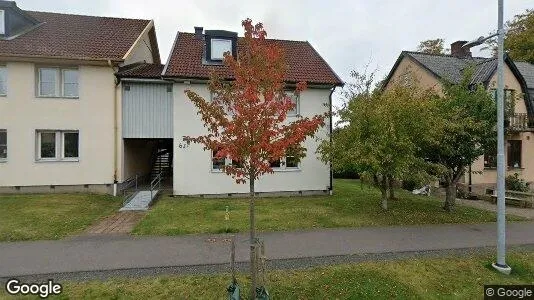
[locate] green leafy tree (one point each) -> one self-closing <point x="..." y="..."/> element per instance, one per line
<point x="380" y="134"/>
<point x="519" y="40"/>
<point x="466" y="117"/>
<point x="435" y="46"/>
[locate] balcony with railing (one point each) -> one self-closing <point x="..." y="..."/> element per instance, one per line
<point x="519" y="122"/>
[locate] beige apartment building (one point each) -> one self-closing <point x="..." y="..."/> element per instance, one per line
<point x="430" y="69"/>
<point x="60" y="100"/>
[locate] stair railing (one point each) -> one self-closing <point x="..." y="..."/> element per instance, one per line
<point x="129" y="188"/>
<point x="155" y="183"/>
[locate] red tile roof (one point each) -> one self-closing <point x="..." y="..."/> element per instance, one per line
<point x="76" y="37"/>
<point x="304" y="63"/>
<point x="142" y="70"/>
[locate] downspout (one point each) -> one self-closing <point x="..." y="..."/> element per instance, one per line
<point x="330" y="189"/>
<point x="115" y="133"/>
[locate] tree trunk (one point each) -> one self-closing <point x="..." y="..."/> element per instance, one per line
<point x="384" y="188"/>
<point x="253" y="268"/>
<point x="451" y="187"/>
<point x="450" y="196"/>
<point x="391" y="185"/>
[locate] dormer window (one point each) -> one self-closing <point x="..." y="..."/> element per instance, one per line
<point x="218" y="42"/>
<point x="2" y="21"/>
<point x="219" y="47"/>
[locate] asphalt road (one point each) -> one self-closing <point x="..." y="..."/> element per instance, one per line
<point x="111" y="254"/>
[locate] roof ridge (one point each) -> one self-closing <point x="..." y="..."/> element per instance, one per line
<point x="442" y="55"/>
<point x="82" y="15"/>
<point x="240" y="37"/>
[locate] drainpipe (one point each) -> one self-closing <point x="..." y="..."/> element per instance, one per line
<point x="115" y="133"/>
<point x="331" y="122"/>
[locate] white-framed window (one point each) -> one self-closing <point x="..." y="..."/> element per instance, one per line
<point x="3" y="81"/>
<point x="2" y="21"/>
<point x="219" y="47"/>
<point x="70" y="82"/>
<point x="70" y="144"/>
<point x="296" y="100"/>
<point x="57" y="82"/>
<point x="48" y="82"/>
<point x="286" y="163"/>
<point x="276" y="164"/>
<point x="217" y="164"/>
<point x="292" y="162"/>
<point x="57" y="145"/>
<point x="3" y="144"/>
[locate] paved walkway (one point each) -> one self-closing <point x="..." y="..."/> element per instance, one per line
<point x="119" y="223"/>
<point x="108" y="252"/>
<point x="510" y="210"/>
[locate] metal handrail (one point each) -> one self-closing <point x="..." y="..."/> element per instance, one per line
<point x="127" y="184"/>
<point x="156" y="182"/>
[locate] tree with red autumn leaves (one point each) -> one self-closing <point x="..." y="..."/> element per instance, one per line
<point x="246" y="119"/>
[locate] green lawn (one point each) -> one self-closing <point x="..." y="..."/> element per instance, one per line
<point x="426" y="278"/>
<point x="51" y="216"/>
<point x="352" y="205"/>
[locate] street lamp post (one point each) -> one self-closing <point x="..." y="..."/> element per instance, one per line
<point x="500" y="264"/>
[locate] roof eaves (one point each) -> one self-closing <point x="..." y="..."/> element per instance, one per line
<point x="156" y="57"/>
<point x="81" y="58"/>
<point x="340" y="82"/>
<point x="138" y="39"/>
<point x="170" y="54"/>
<point x="528" y="101"/>
<point x="392" y="71"/>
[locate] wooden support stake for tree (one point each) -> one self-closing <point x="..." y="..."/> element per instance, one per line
<point x="232" y="260"/>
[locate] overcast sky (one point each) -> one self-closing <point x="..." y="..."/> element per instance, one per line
<point x="348" y="34"/>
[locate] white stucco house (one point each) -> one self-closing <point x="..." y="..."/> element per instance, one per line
<point x="90" y="106"/>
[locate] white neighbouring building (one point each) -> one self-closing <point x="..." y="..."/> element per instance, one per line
<point x="88" y="106"/>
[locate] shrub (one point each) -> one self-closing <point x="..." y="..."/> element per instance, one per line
<point x="514" y="183"/>
<point x="411" y="184"/>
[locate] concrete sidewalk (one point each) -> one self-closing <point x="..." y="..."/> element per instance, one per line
<point x="101" y="253"/>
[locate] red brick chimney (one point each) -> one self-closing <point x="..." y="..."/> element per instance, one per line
<point x="458" y="51"/>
